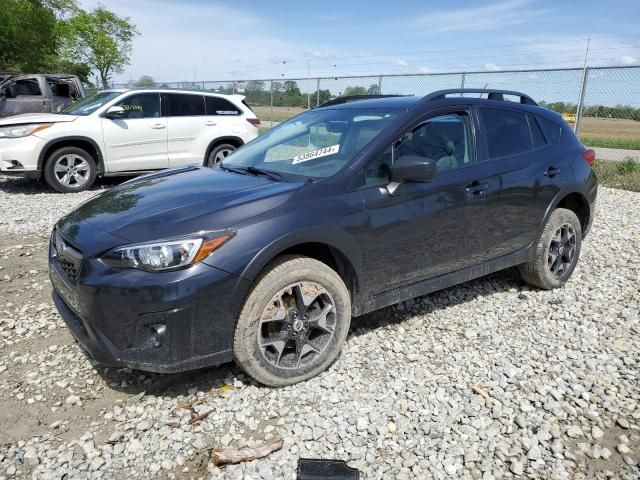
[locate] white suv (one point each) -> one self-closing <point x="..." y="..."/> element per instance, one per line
<point x="123" y="132"/>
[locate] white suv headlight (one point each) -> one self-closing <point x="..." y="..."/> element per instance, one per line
<point x="17" y="131"/>
<point x="167" y="254"/>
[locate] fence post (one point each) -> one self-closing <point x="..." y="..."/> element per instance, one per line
<point x="234" y="87"/>
<point x="271" y="108"/>
<point x="318" y="93"/>
<point x="462" y="82"/>
<point x="583" y="91"/>
<point x="380" y="85"/>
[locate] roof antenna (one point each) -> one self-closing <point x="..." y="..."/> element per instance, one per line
<point x="484" y="88"/>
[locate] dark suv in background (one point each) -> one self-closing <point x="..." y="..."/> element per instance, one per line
<point x="337" y="212"/>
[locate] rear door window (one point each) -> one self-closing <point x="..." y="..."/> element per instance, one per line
<point x="23" y="87"/>
<point x="220" y="106"/>
<point x="507" y="132"/>
<point x="185" y="105"/>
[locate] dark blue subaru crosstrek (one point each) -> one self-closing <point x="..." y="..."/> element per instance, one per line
<point x="339" y="211"/>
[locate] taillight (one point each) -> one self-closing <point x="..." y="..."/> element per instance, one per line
<point x="254" y="121"/>
<point x="589" y="156"/>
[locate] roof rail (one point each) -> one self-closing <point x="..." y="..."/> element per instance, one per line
<point x="491" y="94"/>
<point x="354" y="98"/>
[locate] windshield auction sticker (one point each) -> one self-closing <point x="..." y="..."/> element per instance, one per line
<point x="322" y="152"/>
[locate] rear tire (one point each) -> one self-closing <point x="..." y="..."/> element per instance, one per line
<point x="70" y="169"/>
<point x="293" y="322"/>
<point x="556" y="253"/>
<point x="218" y="153"/>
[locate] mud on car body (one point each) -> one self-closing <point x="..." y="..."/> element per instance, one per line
<point x="337" y="212"/>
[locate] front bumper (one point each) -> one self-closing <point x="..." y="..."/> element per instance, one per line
<point x="158" y="322"/>
<point x="19" y="156"/>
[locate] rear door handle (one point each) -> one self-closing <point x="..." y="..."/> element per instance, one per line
<point x="476" y="190"/>
<point x="211" y="123"/>
<point x="551" y="171"/>
<point x="159" y="126"/>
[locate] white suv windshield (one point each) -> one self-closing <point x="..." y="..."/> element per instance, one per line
<point x="314" y="144"/>
<point x="88" y="105"/>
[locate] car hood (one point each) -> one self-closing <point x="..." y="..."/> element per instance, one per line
<point x="24" y="118"/>
<point x="176" y="202"/>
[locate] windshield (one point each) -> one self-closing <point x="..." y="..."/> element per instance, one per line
<point x="88" y="105"/>
<point x="315" y="144"/>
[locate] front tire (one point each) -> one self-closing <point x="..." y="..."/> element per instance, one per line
<point x="218" y="154"/>
<point x="293" y="322"/>
<point x="556" y="253"/>
<point x="70" y="169"/>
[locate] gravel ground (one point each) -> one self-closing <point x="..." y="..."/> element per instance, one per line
<point x="490" y="379"/>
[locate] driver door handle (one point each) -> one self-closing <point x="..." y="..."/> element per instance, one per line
<point x="159" y="126"/>
<point x="476" y="189"/>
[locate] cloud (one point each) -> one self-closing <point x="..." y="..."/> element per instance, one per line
<point x="492" y="67"/>
<point x="208" y="40"/>
<point x="628" y="60"/>
<point x="401" y="63"/>
<point x="485" y="17"/>
<point x="319" y="55"/>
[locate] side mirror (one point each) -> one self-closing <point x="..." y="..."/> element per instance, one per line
<point x="115" y="112"/>
<point x="413" y="168"/>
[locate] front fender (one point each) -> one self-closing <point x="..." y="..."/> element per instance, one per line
<point x="251" y="250"/>
<point x="334" y="237"/>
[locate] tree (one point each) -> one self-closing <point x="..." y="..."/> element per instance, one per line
<point x="145" y="81"/>
<point x="355" y="91"/>
<point x="374" y="90"/>
<point x="101" y="39"/>
<point x="322" y="97"/>
<point x="27" y="35"/>
<point x="254" y="86"/>
<point x="291" y="88"/>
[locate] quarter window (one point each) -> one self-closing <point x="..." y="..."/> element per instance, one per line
<point x="185" y="105"/>
<point x="220" y="106"/>
<point x="507" y="132"/>
<point x="141" y="105"/>
<point x="536" y="132"/>
<point x="552" y="131"/>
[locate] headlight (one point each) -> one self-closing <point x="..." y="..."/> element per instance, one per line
<point x="17" y="131"/>
<point x="166" y="254"/>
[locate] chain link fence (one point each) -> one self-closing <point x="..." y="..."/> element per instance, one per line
<point x="601" y="103"/>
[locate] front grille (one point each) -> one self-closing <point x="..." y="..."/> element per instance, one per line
<point x="69" y="268"/>
<point x="68" y="258"/>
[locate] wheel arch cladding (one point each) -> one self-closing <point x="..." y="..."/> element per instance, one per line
<point x="84" y="143"/>
<point x="335" y="249"/>
<point x="578" y="204"/>
<point x="235" y="141"/>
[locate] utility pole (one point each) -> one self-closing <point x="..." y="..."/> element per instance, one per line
<point x="308" y="83"/>
<point x="583" y="89"/>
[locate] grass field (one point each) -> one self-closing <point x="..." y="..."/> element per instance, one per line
<point x="280" y="114"/>
<point x="625" y="175"/>
<point x="610" y="133"/>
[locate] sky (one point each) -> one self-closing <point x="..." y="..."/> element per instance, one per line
<point x="220" y="40"/>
